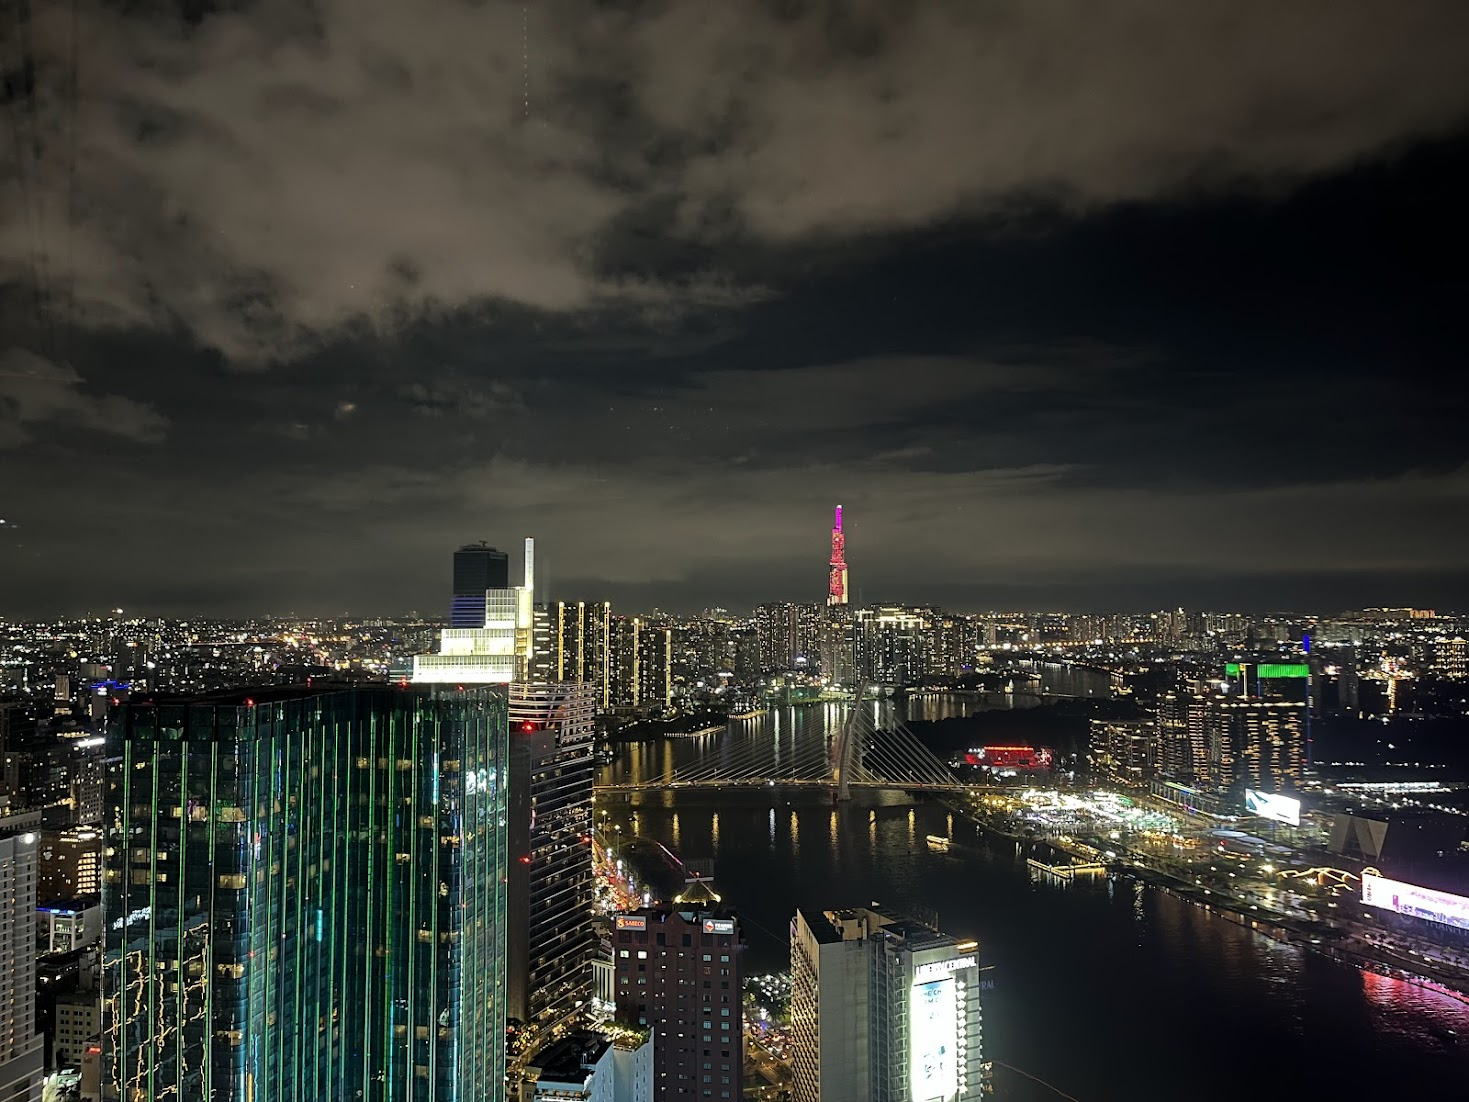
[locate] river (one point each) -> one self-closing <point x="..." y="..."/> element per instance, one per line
<point x="1109" y="990"/>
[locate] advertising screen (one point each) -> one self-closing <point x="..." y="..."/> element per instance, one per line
<point x="1270" y="805"/>
<point x="632" y="922"/>
<point x="718" y="926"/>
<point x="933" y="1035"/>
<point x="1410" y="899"/>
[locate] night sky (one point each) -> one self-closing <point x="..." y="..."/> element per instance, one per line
<point x="1071" y="305"/>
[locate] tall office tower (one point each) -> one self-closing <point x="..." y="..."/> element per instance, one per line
<point x="787" y="636"/>
<point x="550" y="887"/>
<point x="580" y="632"/>
<point x="490" y="636"/>
<point x="836" y="583"/>
<point x="305" y="897"/>
<point x="22" y="1049"/>
<point x="888" y="644"/>
<point x="478" y="568"/>
<point x="679" y="972"/>
<point x="883" y="1008"/>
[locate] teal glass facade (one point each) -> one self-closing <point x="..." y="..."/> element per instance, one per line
<point x="305" y="898"/>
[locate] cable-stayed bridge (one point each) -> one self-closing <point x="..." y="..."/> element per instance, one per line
<point x="869" y="749"/>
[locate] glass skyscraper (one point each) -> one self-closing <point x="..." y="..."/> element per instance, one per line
<point x="305" y="897"/>
<point x="478" y="568"/>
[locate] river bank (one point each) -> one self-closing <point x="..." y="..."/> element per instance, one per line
<point x="1319" y="938"/>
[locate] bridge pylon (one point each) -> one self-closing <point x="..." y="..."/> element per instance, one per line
<point x="848" y="744"/>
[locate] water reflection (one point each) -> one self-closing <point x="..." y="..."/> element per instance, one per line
<point x="1084" y="974"/>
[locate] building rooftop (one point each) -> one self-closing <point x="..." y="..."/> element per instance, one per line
<point x="572" y="1059"/>
<point x="865" y="923"/>
<point x="70" y="906"/>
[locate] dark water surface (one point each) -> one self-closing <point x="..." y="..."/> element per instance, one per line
<point x="1109" y="990"/>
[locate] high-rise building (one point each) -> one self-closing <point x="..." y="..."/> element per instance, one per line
<point x="490" y="636"/>
<point x="836" y="583"/>
<point x="950" y="644"/>
<point x="550" y="891"/>
<point x="834" y="647"/>
<point x="478" y="568"/>
<point x="22" y="1049"/>
<point x="679" y="972"/>
<point x="579" y="635"/>
<point x="883" y="1008"/>
<point x="642" y="664"/>
<point x="1123" y="749"/>
<point x="305" y="897"/>
<point x="888" y="644"/>
<point x="701" y="650"/>
<point x="1182" y="751"/>
<point x="1255" y="743"/>
<point x="787" y="636"/>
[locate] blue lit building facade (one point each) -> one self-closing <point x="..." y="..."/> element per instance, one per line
<point x="305" y="897"/>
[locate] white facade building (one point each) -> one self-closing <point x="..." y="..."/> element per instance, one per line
<point x="496" y="653"/>
<point x="22" y="1049"/>
<point x="883" y="1008"/>
<point x="591" y="1067"/>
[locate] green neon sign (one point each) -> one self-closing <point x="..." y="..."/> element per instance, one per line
<point x="1270" y="670"/>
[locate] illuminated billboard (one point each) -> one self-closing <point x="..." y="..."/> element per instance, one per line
<point x="1416" y="902"/>
<point x="718" y="926"/>
<point x="933" y="1038"/>
<point x="1271" y="805"/>
<point x="632" y="922"/>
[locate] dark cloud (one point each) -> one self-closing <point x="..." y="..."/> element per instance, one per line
<point x="39" y="396"/>
<point x="275" y="172"/>
<point x="1094" y="303"/>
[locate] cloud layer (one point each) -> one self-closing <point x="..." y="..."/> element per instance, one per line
<point x="275" y="174"/>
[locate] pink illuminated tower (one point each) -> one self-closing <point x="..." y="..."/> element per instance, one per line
<point x="836" y="589"/>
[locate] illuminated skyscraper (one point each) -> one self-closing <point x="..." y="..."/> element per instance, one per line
<point x="836" y="586"/>
<point x="580" y="637"/>
<point x="490" y="637"/>
<point x="22" y="1049"/>
<point x="641" y="664"/>
<point x="550" y="888"/>
<point x="305" y="898"/>
<point x="1255" y="743"/>
<point x="883" y="1008"/>
<point x="787" y="636"/>
<point x="888" y="644"/>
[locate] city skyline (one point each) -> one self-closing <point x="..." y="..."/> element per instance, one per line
<point x="1184" y="337"/>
